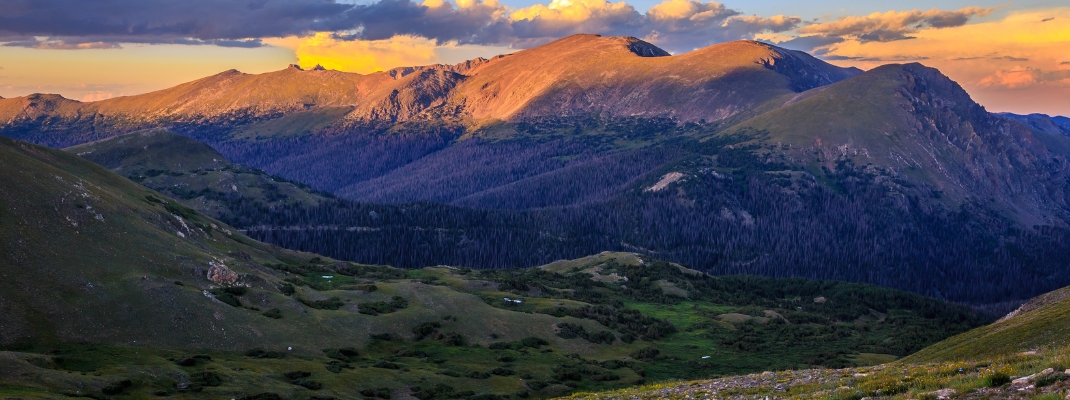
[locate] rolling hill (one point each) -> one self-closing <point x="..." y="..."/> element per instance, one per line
<point x="193" y="173"/>
<point x="1021" y="356"/>
<point x="112" y="288"/>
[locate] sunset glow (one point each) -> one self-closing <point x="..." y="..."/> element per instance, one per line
<point x="1010" y="58"/>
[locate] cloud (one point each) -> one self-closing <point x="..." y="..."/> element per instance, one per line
<point x="166" y="19"/>
<point x="1013" y="63"/>
<point x="679" y="25"/>
<point x="893" y="25"/>
<point x="1023" y="77"/>
<point x="364" y="56"/>
<point x="63" y="45"/>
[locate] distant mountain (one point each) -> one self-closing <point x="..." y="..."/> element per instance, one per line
<point x="578" y="75"/>
<point x="913" y="124"/>
<point x="1042" y="122"/>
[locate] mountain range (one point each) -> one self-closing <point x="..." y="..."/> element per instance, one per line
<point x="741" y="157"/>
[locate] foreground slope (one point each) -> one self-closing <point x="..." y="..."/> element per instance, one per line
<point x="1022" y="356"/>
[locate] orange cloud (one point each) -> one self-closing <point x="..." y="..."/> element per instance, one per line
<point x="894" y="25"/>
<point x="361" y="56"/>
<point x="1010" y="64"/>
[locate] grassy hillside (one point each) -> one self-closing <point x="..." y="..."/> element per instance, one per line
<point x="192" y="173"/>
<point x="112" y="288"/>
<point x="1025" y="355"/>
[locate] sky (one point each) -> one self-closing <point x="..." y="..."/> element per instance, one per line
<point x="1010" y="56"/>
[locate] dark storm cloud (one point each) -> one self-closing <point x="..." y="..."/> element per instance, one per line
<point x="679" y="25"/>
<point x="197" y="19"/>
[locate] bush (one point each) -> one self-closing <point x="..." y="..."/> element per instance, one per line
<point x="261" y="396"/>
<point x="478" y="375"/>
<point x="382" y="307"/>
<point x="338" y="366"/>
<point x="226" y="296"/>
<point x="502" y="371"/>
<point x="206" y="378"/>
<point x="455" y="339"/>
<point x="117" y="387"/>
<point x="260" y="353"/>
<point x="646" y="353"/>
<point x="386" y="365"/>
<point x="349" y="352"/>
<point x="1050" y="379"/>
<point x="273" y="313"/>
<point x="997" y="379"/>
<point x="287" y="289"/>
<point x="381" y="336"/>
<point x="335" y="354"/>
<point x="382" y="393"/>
<point x="439" y="391"/>
<point x="332" y="303"/>
<point x="425" y="329"/>
<point x="300" y="378"/>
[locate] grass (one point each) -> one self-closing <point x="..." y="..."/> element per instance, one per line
<point x="115" y="284"/>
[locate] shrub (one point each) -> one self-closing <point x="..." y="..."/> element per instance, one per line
<point x="225" y="297"/>
<point x="386" y="365"/>
<point x="261" y="396"/>
<point x="478" y="375"/>
<point x="335" y="354"/>
<point x="273" y="313"/>
<point x="332" y="303"/>
<point x="646" y="353"/>
<point x="337" y="366"/>
<point x="382" y="393"/>
<point x="300" y="378"/>
<point x="382" y="307"/>
<point x="260" y="353"/>
<point x="440" y="391"/>
<point x="502" y="371"/>
<point x="381" y="336"/>
<point x="349" y="352"/>
<point x="207" y="378"/>
<point x="287" y="289"/>
<point x="425" y="329"/>
<point x="1050" y="379"/>
<point x="997" y="379"/>
<point x="117" y="387"/>
<point x="455" y="339"/>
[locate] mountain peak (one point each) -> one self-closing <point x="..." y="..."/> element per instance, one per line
<point x="598" y="43"/>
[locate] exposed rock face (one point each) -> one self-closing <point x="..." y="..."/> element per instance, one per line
<point x="219" y="274"/>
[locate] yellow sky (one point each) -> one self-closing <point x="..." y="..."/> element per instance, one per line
<point x="1019" y="63"/>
